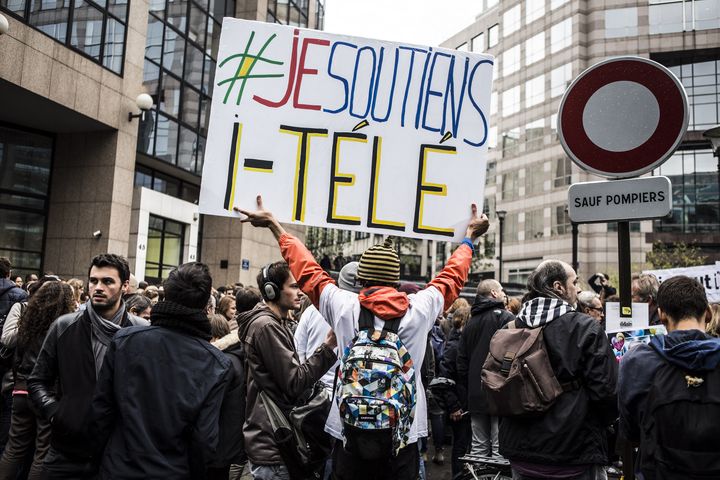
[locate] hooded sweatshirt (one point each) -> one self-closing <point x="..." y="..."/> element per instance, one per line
<point x="690" y="350"/>
<point x="341" y="309"/>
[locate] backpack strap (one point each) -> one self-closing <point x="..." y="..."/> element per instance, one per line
<point x="366" y="320"/>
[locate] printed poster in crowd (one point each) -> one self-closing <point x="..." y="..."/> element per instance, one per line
<point x="707" y="275"/>
<point x="347" y="132"/>
<point x="627" y="332"/>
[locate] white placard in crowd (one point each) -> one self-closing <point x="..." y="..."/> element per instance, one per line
<point x="707" y="275"/>
<point x="347" y="132"/>
<point x="613" y="323"/>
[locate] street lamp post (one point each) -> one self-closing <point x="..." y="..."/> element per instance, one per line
<point x="501" y="218"/>
<point x="714" y="136"/>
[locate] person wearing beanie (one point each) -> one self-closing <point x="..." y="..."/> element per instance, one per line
<point x="378" y="275"/>
<point x="159" y="394"/>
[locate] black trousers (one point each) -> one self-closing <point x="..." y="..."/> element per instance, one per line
<point x="405" y="466"/>
<point x="60" y="466"/>
<point x="462" y="436"/>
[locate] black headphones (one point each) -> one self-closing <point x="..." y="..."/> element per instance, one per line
<point x="269" y="289"/>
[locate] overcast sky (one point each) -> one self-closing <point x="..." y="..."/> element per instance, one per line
<point x="424" y="22"/>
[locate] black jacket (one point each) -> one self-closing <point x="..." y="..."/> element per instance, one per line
<point x="66" y="361"/>
<point x="231" y="448"/>
<point x="488" y="315"/>
<point x="158" y="402"/>
<point x="448" y="369"/>
<point x="10" y="294"/>
<point x="572" y="431"/>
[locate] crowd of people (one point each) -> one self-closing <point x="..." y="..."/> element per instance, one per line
<point x="124" y="380"/>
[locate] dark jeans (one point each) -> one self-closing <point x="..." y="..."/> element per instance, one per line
<point x="437" y="424"/>
<point x="405" y="466"/>
<point x="60" y="466"/>
<point x="5" y="417"/>
<point x="26" y="432"/>
<point x="462" y="435"/>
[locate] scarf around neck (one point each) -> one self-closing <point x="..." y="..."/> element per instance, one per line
<point x="540" y="311"/>
<point x="172" y="315"/>
<point x="104" y="330"/>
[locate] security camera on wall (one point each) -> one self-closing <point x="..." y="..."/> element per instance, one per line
<point x="97" y="234"/>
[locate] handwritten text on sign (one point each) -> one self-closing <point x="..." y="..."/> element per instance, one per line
<point x="347" y="132"/>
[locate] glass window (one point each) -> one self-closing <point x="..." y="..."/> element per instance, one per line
<point x="621" y="22"/>
<point x="187" y="149"/>
<point x="560" y="78"/>
<point x="511" y="101"/>
<point x="190" y="193"/>
<point x="153" y="41"/>
<point x="535" y="91"/>
<point x="534" y="139"/>
<point x="492" y="3"/>
<point x="174" y="52"/>
<point x="534" y="224"/>
<point x="510" y="142"/>
<point x="462" y="47"/>
<point x="534" y="9"/>
<point x="510" y="185"/>
<point x="562" y="172"/>
<point x="146" y="133"/>
<point x="177" y="14"/>
<point x="208" y="75"/>
<point x="478" y="43"/>
<point x="193" y="66"/>
<point x="493" y="35"/>
<point x="50" y="17"/>
<point x="166" y="139"/>
<point x="158" y="7"/>
<point x="25" y="161"/>
<point x="707" y="14"/>
<point x="561" y="35"/>
<point x="15" y="6"/>
<point x="114" y="45"/>
<point x="170" y="95"/>
<point x="561" y="224"/>
<point x="492" y="137"/>
<point x="191" y="106"/>
<point x="535" y="48"/>
<point x="666" y="16"/>
<point x="511" y="20"/>
<point x="87" y="29"/>
<point x="118" y="8"/>
<point x="511" y="228"/>
<point x="556" y="3"/>
<point x="511" y="60"/>
<point x="493" y="102"/>
<point x="213" y="38"/>
<point x="196" y="25"/>
<point x="490" y="174"/>
<point x="164" y="248"/>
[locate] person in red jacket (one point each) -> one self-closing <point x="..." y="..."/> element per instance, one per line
<point x="379" y="276"/>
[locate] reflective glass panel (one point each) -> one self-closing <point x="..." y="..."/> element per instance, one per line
<point x="87" y="29"/>
<point x="114" y="45"/>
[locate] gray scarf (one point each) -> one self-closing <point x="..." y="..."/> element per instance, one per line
<point x="103" y="332"/>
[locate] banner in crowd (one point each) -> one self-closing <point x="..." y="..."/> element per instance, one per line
<point x="346" y="132"/>
<point x="707" y="275"/>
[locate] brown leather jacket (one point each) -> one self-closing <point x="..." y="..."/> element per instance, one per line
<point x="273" y="365"/>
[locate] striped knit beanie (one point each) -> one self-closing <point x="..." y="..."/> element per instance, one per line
<point x="380" y="263"/>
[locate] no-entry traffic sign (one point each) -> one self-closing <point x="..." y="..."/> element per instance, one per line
<point x="623" y="117"/>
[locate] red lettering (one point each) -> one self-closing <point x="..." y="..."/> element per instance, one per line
<point x="306" y="71"/>
<point x="291" y="78"/>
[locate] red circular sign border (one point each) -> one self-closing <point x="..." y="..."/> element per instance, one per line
<point x="661" y="144"/>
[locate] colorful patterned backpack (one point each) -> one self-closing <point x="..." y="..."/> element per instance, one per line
<point x="376" y="394"/>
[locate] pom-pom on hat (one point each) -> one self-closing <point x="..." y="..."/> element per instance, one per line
<point x="380" y="263"/>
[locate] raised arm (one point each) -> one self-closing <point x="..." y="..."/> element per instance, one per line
<point x="454" y="275"/>
<point x="309" y="274"/>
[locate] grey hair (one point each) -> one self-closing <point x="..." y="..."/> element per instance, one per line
<point x="540" y="282"/>
<point x="647" y="286"/>
<point x="586" y="297"/>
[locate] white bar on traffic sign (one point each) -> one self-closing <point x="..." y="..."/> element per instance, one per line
<point x="618" y="200"/>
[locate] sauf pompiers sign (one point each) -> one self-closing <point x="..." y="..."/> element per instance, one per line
<point x="347" y="132"/>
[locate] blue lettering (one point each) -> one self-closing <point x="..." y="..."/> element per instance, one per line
<point x="370" y="87"/>
<point x="477" y="107"/>
<point x="392" y="87"/>
<point x="338" y="77"/>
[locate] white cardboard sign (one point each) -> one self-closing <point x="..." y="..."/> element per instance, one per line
<point x="613" y="323"/>
<point x="707" y="275"/>
<point x="347" y="132"/>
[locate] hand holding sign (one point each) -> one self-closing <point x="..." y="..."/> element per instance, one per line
<point x="262" y="218"/>
<point x="478" y="224"/>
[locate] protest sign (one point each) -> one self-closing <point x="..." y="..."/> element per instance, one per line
<point x="614" y="323"/>
<point x="347" y="132"/>
<point x="707" y="275"/>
